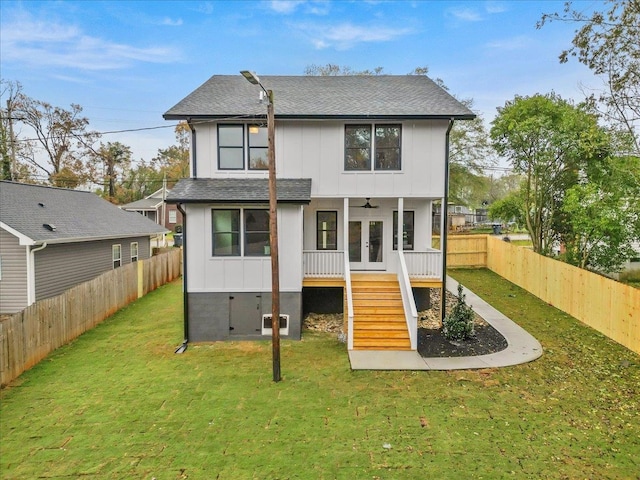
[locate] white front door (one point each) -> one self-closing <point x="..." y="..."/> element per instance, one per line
<point x="366" y="247"/>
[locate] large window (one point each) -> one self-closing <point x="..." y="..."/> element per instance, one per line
<point x="232" y="140"/>
<point x="407" y="230"/>
<point x="226" y="232"/>
<point x="229" y="226"/>
<point x="256" y="233"/>
<point x="116" y="255"/>
<point x="385" y="144"/>
<point x="327" y="231"/>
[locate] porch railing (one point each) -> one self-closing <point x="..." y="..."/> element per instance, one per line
<point x="427" y="264"/>
<point x="324" y="263"/>
<point x="410" y="310"/>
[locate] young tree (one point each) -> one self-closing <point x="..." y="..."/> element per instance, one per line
<point x="61" y="141"/>
<point x="609" y="44"/>
<point x="551" y="142"/>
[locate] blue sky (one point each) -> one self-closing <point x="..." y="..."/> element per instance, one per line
<point x="127" y="62"/>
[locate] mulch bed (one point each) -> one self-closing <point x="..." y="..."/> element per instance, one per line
<point x="431" y="341"/>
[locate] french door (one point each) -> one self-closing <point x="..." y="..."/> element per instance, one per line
<point x="366" y="247"/>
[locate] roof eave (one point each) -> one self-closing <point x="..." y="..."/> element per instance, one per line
<point x="321" y="117"/>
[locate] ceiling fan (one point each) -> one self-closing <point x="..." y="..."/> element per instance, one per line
<point x="368" y="204"/>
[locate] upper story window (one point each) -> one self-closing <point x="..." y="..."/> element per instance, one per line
<point x="232" y="140"/>
<point x="385" y="145"/>
<point x="173" y="216"/>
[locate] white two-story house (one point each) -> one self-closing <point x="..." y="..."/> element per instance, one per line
<point x="353" y="155"/>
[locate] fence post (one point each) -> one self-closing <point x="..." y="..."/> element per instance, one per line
<point x="140" y="278"/>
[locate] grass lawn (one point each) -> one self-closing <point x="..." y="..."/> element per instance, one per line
<point x="118" y="403"/>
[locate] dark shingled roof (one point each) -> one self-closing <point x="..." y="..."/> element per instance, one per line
<point x="239" y="190"/>
<point x="353" y="96"/>
<point x="77" y="216"/>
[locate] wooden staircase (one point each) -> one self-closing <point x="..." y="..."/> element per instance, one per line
<point x="378" y="314"/>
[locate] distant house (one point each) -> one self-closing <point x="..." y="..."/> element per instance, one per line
<point x="155" y="209"/>
<point x="52" y="239"/>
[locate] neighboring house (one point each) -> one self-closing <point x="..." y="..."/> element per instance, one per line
<point x="155" y="209"/>
<point x="52" y="239"/>
<point x="353" y="154"/>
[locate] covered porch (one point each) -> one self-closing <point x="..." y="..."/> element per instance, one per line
<point x="385" y="271"/>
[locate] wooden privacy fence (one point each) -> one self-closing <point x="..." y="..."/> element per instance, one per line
<point x="608" y="306"/>
<point x="30" y="335"/>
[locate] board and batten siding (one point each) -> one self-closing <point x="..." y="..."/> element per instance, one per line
<point x="13" y="274"/>
<point x="207" y="273"/>
<point x="315" y="149"/>
<point x="59" y="267"/>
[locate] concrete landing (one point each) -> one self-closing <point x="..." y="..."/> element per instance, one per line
<point x="521" y="346"/>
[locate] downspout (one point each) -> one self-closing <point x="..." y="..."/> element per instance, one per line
<point x="185" y="295"/>
<point x="31" y="287"/>
<point x="444" y="213"/>
<point x="194" y="164"/>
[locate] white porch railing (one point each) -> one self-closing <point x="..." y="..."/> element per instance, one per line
<point x="424" y="264"/>
<point x="410" y="310"/>
<point x="324" y="263"/>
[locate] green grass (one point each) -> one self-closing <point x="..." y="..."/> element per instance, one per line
<point x="118" y="403"/>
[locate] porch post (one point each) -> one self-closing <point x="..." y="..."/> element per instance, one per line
<point x="345" y="225"/>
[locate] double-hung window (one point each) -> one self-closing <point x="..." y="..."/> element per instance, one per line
<point x="407" y="230"/>
<point x="234" y="141"/>
<point x="327" y="230"/>
<point x="229" y="226"/>
<point x="134" y="252"/>
<point x="116" y="255"/>
<point x="385" y="145"/>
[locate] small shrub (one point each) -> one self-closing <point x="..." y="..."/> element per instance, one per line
<point x="458" y="324"/>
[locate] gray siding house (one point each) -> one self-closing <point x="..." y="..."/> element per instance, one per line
<point x="52" y="239"/>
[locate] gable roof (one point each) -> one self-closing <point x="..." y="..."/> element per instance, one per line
<point x="72" y="216"/>
<point x="351" y="96"/>
<point x="239" y="190"/>
<point x="150" y="202"/>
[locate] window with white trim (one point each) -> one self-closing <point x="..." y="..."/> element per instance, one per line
<point x="385" y="144"/>
<point x="134" y="252"/>
<point x="116" y="255"/>
<point x="173" y="216"/>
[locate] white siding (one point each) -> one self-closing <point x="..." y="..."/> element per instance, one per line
<point x="315" y="149"/>
<point x="242" y="274"/>
<point x="13" y="283"/>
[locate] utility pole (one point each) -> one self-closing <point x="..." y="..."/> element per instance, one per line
<point x="273" y="227"/>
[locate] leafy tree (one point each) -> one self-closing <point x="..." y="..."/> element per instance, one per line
<point x="109" y="162"/>
<point x="61" y="140"/>
<point x="608" y="43"/>
<point x="552" y="143"/>
<point x="508" y="208"/>
<point x="603" y="213"/>
<point x="173" y="161"/>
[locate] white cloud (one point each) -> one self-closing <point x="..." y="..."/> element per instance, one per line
<point x="171" y="22"/>
<point x="346" y="35"/>
<point x="465" y="14"/>
<point x="495" y="7"/>
<point x="43" y="44"/>
<point x="285" y="6"/>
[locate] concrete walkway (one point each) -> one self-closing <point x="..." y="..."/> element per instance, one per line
<point x="522" y="347"/>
